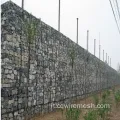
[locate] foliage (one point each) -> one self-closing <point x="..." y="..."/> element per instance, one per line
<point x="117" y="97"/>
<point x="104" y="96"/>
<point x="72" y="114"/>
<point x="91" y="115"/>
<point x="72" y="56"/>
<point x="30" y="30"/>
<point x="108" y="92"/>
<point x="102" y="112"/>
<point x="95" y="99"/>
<point x="62" y="111"/>
<point x="113" y="89"/>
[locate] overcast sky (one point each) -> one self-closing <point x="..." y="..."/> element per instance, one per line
<point x="94" y="15"/>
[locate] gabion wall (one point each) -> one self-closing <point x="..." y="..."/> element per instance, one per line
<point x="53" y="70"/>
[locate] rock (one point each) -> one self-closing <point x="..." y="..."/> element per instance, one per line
<point x="11" y="119"/>
<point x="10" y="115"/>
<point x="10" y="71"/>
<point x="13" y="28"/>
<point x="3" y="110"/>
<point x="29" y="104"/>
<point x="9" y="37"/>
<point x="14" y="92"/>
<point x="25" y="80"/>
<point x="11" y="76"/>
<point x="2" y="22"/>
<point x="34" y="103"/>
<point x="41" y="94"/>
<point x="6" y="60"/>
<point x="6" y="71"/>
<point x="18" y="38"/>
<point x="8" y="67"/>
<point x="45" y="101"/>
<point x="15" y="72"/>
<point x="16" y="44"/>
<point x="6" y="85"/>
<point x="11" y="101"/>
<point x="15" y="113"/>
<point x="32" y="77"/>
<point x="20" y="100"/>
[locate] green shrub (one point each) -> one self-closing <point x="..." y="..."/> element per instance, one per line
<point x="72" y="56"/>
<point x="72" y="114"/>
<point x="108" y="92"/>
<point x="95" y="99"/>
<point x="113" y="89"/>
<point x="104" y="96"/>
<point x="117" y="97"/>
<point x="102" y="112"/>
<point x="91" y="115"/>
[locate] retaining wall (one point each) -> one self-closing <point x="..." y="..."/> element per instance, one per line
<point x="57" y="71"/>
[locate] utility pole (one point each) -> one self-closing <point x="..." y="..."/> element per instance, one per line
<point x="103" y="55"/>
<point x="108" y="60"/>
<point x="87" y="39"/>
<point x="106" y="57"/>
<point x="77" y="30"/>
<point x="22" y="4"/>
<point x="59" y="17"/>
<point x="99" y="50"/>
<point x="99" y="46"/>
<point x="94" y="46"/>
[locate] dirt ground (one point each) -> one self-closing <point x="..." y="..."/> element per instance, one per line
<point x="113" y="115"/>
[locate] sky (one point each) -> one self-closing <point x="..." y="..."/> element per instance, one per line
<point x="94" y="15"/>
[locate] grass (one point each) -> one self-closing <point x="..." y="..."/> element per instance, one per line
<point x="96" y="99"/>
<point x="91" y="115"/>
<point x="117" y="97"/>
<point x="72" y="114"/>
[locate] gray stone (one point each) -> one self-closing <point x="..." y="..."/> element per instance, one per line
<point x="9" y="37"/>
<point x="6" y="71"/>
<point x="25" y="80"/>
<point x="12" y="76"/>
<point x="10" y="115"/>
<point x="15" y="113"/>
<point x="34" y="103"/>
<point x="11" y="118"/>
<point x="13" y="28"/>
<point x="41" y="94"/>
<point x="11" y="101"/>
<point x="6" y="85"/>
<point x="10" y="71"/>
<point x="20" y="100"/>
<point x="8" y="76"/>
<point x="15" y="72"/>
<point x="29" y="104"/>
<point x="32" y="77"/>
<point x="14" y="92"/>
